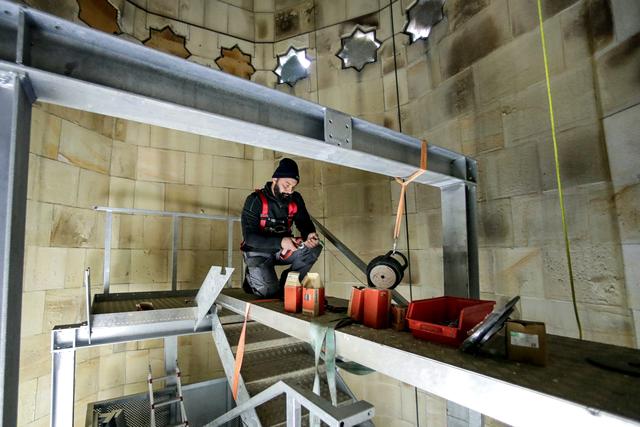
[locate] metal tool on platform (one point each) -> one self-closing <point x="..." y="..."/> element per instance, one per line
<point x="488" y="327"/>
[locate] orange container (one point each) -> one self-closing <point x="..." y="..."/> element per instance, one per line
<point x="293" y="299"/>
<point x="356" y="303"/>
<point x="313" y="301"/>
<point x="292" y="294"/>
<point x="377" y="303"/>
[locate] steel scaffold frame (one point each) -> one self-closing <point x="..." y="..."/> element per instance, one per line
<point x="51" y="60"/>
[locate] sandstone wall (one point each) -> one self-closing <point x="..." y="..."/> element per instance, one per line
<point x="80" y="160"/>
<point x="477" y="87"/>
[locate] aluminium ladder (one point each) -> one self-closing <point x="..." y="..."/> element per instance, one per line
<point x="178" y="399"/>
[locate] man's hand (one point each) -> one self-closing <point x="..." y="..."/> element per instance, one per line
<point x="288" y="244"/>
<point x="312" y="241"/>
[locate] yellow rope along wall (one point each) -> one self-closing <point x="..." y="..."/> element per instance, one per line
<point x="557" y="161"/>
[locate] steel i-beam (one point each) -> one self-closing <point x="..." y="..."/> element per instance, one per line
<point x="15" y="118"/>
<point x="75" y="66"/>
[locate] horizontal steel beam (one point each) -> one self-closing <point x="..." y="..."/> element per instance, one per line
<point x="132" y="211"/>
<point x="498" y="399"/>
<point x="81" y="68"/>
<point x="132" y="326"/>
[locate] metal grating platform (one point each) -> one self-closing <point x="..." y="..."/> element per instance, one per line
<point x="126" y="302"/>
<point x="136" y="411"/>
<point x="273" y="412"/>
<point x="271" y="356"/>
<point x="258" y="336"/>
<point x="204" y="401"/>
<point x="568" y="387"/>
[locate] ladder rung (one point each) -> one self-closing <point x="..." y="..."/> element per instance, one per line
<point x="166" y="377"/>
<point x="166" y="402"/>
<point x="179" y="425"/>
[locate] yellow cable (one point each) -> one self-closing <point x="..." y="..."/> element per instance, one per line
<point x="555" y="156"/>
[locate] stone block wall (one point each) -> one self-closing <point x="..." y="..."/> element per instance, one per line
<point x="476" y="87"/>
<point x="79" y="160"/>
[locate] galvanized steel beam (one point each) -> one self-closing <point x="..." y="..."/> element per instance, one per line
<point x="63" y="381"/>
<point x="85" y="69"/>
<point x="111" y="329"/>
<point x="76" y="66"/>
<point x="506" y="402"/>
<point x="15" y="119"/>
<point x="132" y="326"/>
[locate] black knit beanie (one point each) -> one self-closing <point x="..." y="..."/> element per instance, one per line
<point x="287" y="169"/>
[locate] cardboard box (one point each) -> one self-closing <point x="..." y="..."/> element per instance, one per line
<point x="377" y="303"/>
<point x="527" y="342"/>
<point x="356" y="303"/>
<point x="398" y="317"/>
<point x="312" y="295"/>
<point x="293" y="293"/>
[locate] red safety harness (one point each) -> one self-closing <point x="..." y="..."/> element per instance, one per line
<point x="264" y="215"/>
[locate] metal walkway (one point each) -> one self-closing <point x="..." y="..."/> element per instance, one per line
<point x="568" y="391"/>
<point x="271" y="356"/>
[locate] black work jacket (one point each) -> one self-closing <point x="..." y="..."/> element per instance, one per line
<point x="258" y="240"/>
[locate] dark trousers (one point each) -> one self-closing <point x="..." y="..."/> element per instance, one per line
<point x="260" y="275"/>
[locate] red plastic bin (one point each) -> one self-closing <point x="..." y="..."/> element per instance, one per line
<point x="433" y="319"/>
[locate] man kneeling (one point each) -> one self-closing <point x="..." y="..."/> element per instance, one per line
<point x="267" y="218"/>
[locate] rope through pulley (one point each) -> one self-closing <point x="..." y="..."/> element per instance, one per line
<point x="386" y="271"/>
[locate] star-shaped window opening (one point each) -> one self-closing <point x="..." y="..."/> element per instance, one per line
<point x="359" y="49"/>
<point x="166" y="40"/>
<point x="292" y="66"/>
<point x="100" y="14"/>
<point x="235" y="61"/>
<point x="422" y="15"/>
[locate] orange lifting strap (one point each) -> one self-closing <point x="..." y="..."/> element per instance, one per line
<point x="403" y="189"/>
<point x="240" y="350"/>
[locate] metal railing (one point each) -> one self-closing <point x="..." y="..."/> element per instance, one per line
<point x="297" y="398"/>
<point x="176" y="217"/>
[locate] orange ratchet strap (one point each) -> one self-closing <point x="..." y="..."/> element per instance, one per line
<point x="240" y="350"/>
<point x="403" y="189"/>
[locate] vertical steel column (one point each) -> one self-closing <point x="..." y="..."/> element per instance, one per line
<point x="472" y="239"/>
<point x="16" y="97"/>
<point x="170" y="359"/>
<point x="87" y="295"/>
<point x="63" y="381"/>
<point x="460" y="416"/>
<point x="229" y="242"/>
<point x="294" y="412"/>
<point x="174" y="252"/>
<point x="459" y="242"/>
<point x="106" y="269"/>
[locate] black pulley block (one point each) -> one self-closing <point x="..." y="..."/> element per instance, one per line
<point x="386" y="271"/>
